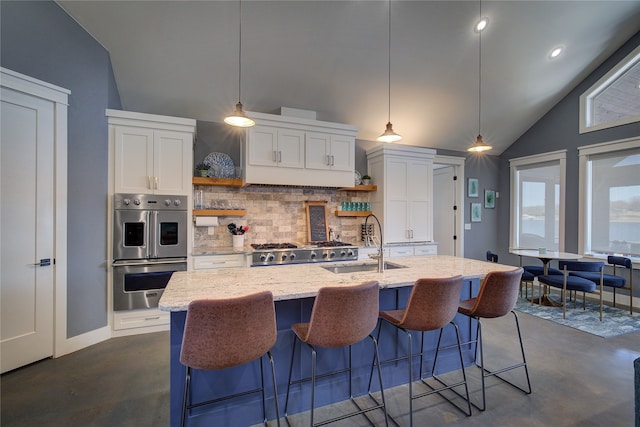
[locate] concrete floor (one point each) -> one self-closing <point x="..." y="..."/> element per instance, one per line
<point x="578" y="379"/>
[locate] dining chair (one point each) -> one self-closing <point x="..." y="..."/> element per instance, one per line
<point x="496" y="297"/>
<point x="341" y="316"/>
<point x="578" y="276"/>
<point x="432" y="305"/>
<point x="224" y="333"/>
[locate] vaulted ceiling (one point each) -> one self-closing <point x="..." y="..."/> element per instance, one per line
<point x="180" y="58"/>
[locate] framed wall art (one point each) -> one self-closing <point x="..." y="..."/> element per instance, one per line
<point x="472" y="187"/>
<point x="476" y="212"/>
<point x="489" y="199"/>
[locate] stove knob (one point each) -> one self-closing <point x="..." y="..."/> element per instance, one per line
<point x="167" y="202"/>
<point x="343" y="253"/>
<point x="263" y="257"/>
<point x="270" y="257"/>
<point x="292" y="257"/>
<point x="177" y="202"/>
<point x="332" y="254"/>
<point x="284" y="257"/>
<point x="313" y="255"/>
<point x="325" y="255"/>
<point x="136" y="202"/>
<point x="350" y="253"/>
<point x="126" y="202"/>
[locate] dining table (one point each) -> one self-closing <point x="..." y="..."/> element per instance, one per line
<point x="545" y="256"/>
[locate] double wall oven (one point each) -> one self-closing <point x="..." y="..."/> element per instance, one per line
<point x="149" y="244"/>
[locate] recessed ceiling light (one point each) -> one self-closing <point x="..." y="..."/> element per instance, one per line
<point x="556" y="52"/>
<point x="481" y="25"/>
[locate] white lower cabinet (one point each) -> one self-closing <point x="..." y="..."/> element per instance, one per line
<point x="207" y="262"/>
<point x="399" y="251"/>
<point x="429" y="249"/>
<point x="130" y="321"/>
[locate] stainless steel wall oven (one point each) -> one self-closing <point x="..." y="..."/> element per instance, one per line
<point x="149" y="244"/>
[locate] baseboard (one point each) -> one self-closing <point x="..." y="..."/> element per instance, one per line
<point x="138" y="331"/>
<point x="79" y="342"/>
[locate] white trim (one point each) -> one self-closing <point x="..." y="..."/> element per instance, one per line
<point x="538" y="158"/>
<point x="610" y="146"/>
<point x="586" y="99"/>
<point x="60" y="99"/>
<point x="458" y="162"/>
<point x="559" y="156"/>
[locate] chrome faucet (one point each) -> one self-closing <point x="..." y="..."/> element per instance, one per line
<point x="379" y="246"/>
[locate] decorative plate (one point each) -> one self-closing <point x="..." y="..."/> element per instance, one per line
<point x="220" y="165"/>
<point x="357" y="178"/>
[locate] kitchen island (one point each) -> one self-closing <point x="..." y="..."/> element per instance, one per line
<point x="294" y="288"/>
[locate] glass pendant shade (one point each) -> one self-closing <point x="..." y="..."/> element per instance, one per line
<point x="479" y="145"/>
<point x="389" y="135"/>
<point x="239" y="118"/>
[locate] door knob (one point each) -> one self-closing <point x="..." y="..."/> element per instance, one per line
<point x="43" y="262"/>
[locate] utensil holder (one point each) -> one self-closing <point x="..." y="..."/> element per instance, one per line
<point x="238" y="241"/>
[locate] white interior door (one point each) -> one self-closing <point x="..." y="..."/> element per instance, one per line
<point x="444" y="220"/>
<point x="27" y="229"/>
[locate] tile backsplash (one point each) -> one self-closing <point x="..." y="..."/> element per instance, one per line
<point x="276" y="214"/>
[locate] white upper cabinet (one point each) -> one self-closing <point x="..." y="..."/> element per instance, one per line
<point x="324" y="151"/>
<point x="152" y="154"/>
<point x="404" y="199"/>
<point x="273" y="147"/>
<point x="282" y="150"/>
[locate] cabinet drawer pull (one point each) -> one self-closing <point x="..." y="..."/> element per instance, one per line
<point x="152" y="318"/>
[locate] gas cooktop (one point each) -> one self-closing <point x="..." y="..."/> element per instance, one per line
<point x="289" y="253"/>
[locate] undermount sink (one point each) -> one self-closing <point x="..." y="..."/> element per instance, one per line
<point x="356" y="268"/>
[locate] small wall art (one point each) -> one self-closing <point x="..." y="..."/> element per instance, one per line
<point x="472" y="187"/>
<point x="476" y="212"/>
<point x="489" y="199"/>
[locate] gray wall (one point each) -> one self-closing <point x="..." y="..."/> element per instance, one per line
<point x="40" y="40"/>
<point x="557" y="130"/>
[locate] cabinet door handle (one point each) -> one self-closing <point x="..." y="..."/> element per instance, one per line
<point x="333" y="160"/>
<point x="274" y="156"/>
<point x="328" y="160"/>
<point x="155" y="180"/>
<point x="149" y="182"/>
<point x="279" y="156"/>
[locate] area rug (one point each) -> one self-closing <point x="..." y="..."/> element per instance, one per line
<point x="615" y="321"/>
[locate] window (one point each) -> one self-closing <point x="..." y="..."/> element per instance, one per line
<point x="537" y="201"/>
<point x="610" y="199"/>
<point x="613" y="100"/>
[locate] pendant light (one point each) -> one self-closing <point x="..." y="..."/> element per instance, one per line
<point x="389" y="135"/>
<point x="480" y="145"/>
<point x="239" y="118"/>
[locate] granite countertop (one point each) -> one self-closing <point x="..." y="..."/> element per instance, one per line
<point x="304" y="280"/>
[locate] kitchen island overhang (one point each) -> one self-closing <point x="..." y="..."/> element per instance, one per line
<point x="294" y="288"/>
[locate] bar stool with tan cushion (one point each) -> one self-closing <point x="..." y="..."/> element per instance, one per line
<point x="497" y="297"/>
<point x="340" y="317"/>
<point x="224" y="333"/>
<point x="432" y="305"/>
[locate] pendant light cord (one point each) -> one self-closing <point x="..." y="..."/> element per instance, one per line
<point x="239" y="50"/>
<point x="389" y="81"/>
<point x="480" y="72"/>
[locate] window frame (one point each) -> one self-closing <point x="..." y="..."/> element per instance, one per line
<point x="588" y="97"/>
<point x="559" y="156"/>
<point x="584" y="190"/>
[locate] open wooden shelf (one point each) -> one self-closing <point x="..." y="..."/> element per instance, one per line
<point x="219" y="212"/>
<point x="361" y="188"/>
<point x="353" y="213"/>
<point x="224" y="182"/>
